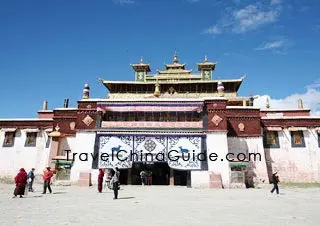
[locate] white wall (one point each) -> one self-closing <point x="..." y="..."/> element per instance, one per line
<point x="199" y="179"/>
<point x="83" y="143"/>
<point x="217" y="143"/>
<point x="247" y="145"/>
<point x="19" y="156"/>
<point x="296" y="164"/>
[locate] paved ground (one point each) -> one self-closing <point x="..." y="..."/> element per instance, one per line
<point x="154" y="205"/>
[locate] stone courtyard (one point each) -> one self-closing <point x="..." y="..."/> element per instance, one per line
<point x="160" y="205"/>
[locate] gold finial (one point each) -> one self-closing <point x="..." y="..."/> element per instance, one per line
<point x="205" y="58"/>
<point x="268" y="103"/>
<point x="300" y="103"/>
<point x="157" y="89"/>
<point x="45" y="105"/>
<point x="175" y="57"/>
<point x="141" y="60"/>
<point x="56" y="132"/>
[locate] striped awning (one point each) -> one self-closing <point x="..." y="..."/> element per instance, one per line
<point x="61" y="162"/>
<point x="239" y="163"/>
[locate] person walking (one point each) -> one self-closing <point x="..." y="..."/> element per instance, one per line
<point x="143" y="176"/>
<point x="100" y="180"/>
<point x="21" y="182"/>
<point x="31" y="179"/>
<point x="115" y="182"/>
<point x="275" y="181"/>
<point x="47" y="180"/>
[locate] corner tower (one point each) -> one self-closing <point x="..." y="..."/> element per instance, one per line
<point x="141" y="70"/>
<point x="206" y="69"/>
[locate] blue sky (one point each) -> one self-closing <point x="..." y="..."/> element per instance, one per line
<point x="50" y="49"/>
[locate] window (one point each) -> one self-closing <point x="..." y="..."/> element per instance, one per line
<point x="31" y="139"/>
<point x="297" y="139"/>
<point x="271" y="139"/>
<point x="48" y="142"/>
<point x="8" y="139"/>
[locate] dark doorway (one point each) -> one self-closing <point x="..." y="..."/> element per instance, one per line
<point x="180" y="177"/>
<point x="123" y="176"/>
<point x="158" y="173"/>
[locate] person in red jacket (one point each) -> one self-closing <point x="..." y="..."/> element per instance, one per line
<point x="21" y="181"/>
<point x="47" y="179"/>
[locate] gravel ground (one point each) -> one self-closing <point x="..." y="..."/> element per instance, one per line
<point x="160" y="205"/>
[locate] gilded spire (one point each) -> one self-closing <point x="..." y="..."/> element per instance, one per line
<point x="205" y="58"/>
<point x="268" y="103"/>
<point x="300" y="103"/>
<point x="45" y="105"/>
<point x="175" y="57"/>
<point x="141" y="60"/>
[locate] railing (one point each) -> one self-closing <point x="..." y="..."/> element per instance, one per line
<point x="107" y="124"/>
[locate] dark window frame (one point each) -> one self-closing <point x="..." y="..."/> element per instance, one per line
<point x="265" y="140"/>
<point x="303" y="143"/>
<point x="27" y="137"/>
<point x="13" y="139"/>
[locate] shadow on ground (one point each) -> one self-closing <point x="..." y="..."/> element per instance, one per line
<point x="126" y="198"/>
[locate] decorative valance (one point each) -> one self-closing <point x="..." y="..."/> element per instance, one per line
<point x="8" y="129"/>
<point x="149" y="107"/>
<point x="297" y="128"/>
<point x="31" y="130"/>
<point x="273" y="128"/>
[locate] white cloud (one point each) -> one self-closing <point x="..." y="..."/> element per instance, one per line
<point x="248" y="18"/>
<point x="251" y="17"/>
<point x="271" y="45"/>
<point x="123" y="1"/>
<point x="311" y="100"/>
<point x="213" y="30"/>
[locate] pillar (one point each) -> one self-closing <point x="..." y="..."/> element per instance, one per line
<point x="217" y="143"/>
<point x="129" y="181"/>
<point x="171" y="177"/>
<point x="53" y="151"/>
<point x="218" y="166"/>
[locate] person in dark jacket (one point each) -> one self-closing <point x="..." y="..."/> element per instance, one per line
<point x="275" y="181"/>
<point x="115" y="182"/>
<point x="31" y="179"/>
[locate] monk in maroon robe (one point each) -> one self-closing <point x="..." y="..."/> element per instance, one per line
<point x="21" y="182"/>
<point x="100" y="180"/>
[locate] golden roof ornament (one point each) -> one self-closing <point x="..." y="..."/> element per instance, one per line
<point x="141" y="60"/>
<point x="175" y="58"/>
<point x="55" y="133"/>
<point x="205" y="59"/>
<point x="268" y="103"/>
<point x="157" y="89"/>
<point x="45" y="105"/>
<point x="300" y="103"/>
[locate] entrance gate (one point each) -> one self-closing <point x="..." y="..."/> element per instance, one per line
<point x="164" y="156"/>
